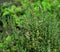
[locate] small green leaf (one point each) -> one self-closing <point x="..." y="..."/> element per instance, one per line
<point x="58" y="6"/>
<point x="18" y="9"/>
<point x="1" y="45"/>
<point x="5" y="13"/>
<point x="8" y="38"/>
<point x="46" y="5"/>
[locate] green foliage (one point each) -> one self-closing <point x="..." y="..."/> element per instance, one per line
<point x="30" y="26"/>
<point x="1" y="45"/>
<point x="8" y="38"/>
<point x="46" y="5"/>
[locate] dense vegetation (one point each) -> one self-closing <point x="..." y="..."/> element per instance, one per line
<point x="30" y="26"/>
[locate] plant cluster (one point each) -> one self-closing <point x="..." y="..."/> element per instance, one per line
<point x="30" y="26"/>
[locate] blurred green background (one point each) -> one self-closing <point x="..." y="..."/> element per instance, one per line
<point x="30" y="26"/>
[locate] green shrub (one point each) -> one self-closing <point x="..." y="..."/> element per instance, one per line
<point x="30" y="26"/>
